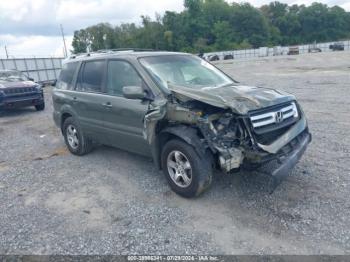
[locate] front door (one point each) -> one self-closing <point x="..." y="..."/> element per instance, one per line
<point x="124" y="117"/>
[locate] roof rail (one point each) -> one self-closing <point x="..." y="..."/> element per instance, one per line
<point x="123" y="49"/>
<point x="107" y="51"/>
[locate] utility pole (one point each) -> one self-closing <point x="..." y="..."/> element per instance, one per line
<point x="7" y="54"/>
<point x="64" y="42"/>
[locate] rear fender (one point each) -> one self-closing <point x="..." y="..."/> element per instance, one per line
<point x="64" y="111"/>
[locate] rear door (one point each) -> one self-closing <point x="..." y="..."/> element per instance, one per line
<point x="89" y="100"/>
<point x="124" y="117"/>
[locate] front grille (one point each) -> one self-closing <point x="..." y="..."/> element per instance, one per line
<point x="270" y="123"/>
<point x="268" y="137"/>
<point x="19" y="90"/>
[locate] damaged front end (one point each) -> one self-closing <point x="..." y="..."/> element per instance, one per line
<point x="235" y="135"/>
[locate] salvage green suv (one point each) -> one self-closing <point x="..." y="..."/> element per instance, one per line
<point x="189" y="116"/>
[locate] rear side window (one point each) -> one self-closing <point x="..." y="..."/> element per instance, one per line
<point x="91" y="77"/>
<point x="66" y="76"/>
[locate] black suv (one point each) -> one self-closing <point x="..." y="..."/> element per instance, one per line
<point x="180" y="110"/>
<point x="337" y="46"/>
<point x="18" y="90"/>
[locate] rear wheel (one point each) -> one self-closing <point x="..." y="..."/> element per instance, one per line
<point x="188" y="174"/>
<point x="76" y="141"/>
<point x="40" y="107"/>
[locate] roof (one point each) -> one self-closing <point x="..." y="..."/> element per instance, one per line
<point x="119" y="54"/>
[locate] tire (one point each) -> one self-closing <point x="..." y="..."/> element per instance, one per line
<point x="77" y="143"/>
<point x="198" y="177"/>
<point x="40" y="107"/>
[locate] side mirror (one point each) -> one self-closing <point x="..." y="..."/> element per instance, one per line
<point x="134" y="92"/>
<point x="31" y="79"/>
<point x="54" y="82"/>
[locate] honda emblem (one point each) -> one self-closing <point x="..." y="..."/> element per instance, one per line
<point x="279" y="116"/>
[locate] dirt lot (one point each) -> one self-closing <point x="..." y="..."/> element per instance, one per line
<point x="113" y="202"/>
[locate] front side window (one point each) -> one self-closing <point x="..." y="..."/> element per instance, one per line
<point x="66" y="76"/>
<point x="120" y="74"/>
<point x="184" y="70"/>
<point x="91" y="77"/>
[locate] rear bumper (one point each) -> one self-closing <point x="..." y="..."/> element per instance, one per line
<point x="21" y="101"/>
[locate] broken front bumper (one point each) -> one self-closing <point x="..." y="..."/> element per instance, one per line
<point x="283" y="140"/>
<point x="281" y="168"/>
<point x="231" y="159"/>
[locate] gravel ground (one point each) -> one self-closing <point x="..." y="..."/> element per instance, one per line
<point x="113" y="202"/>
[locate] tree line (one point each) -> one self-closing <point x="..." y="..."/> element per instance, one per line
<point x="215" y="25"/>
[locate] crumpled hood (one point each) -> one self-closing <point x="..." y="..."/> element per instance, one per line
<point x="239" y="98"/>
<point x="8" y="84"/>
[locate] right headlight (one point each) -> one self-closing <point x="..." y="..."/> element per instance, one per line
<point x="295" y="110"/>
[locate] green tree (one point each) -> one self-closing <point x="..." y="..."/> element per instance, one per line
<point x="209" y="25"/>
<point x="80" y="41"/>
<point x="151" y="34"/>
<point x="224" y="35"/>
<point x="249" y="23"/>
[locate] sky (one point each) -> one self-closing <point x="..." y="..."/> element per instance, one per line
<point x="32" y="27"/>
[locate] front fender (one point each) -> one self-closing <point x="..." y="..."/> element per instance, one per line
<point x="185" y="133"/>
<point x="189" y="135"/>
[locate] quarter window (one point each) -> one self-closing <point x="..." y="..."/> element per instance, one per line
<point x="90" y="79"/>
<point x="120" y="74"/>
<point x="66" y="76"/>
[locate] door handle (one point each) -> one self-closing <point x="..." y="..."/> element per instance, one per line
<point x="75" y="99"/>
<point x="108" y="104"/>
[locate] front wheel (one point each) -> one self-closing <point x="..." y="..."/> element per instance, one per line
<point x="187" y="173"/>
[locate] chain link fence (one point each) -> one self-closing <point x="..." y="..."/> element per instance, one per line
<point x="277" y="50"/>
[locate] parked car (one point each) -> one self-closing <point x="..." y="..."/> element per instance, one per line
<point x="337" y="46"/>
<point x="314" y="50"/>
<point x="186" y="114"/>
<point x="18" y="90"/>
<point x="201" y="55"/>
<point x="293" y="50"/>
<point x="213" y="58"/>
<point x="228" y="57"/>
